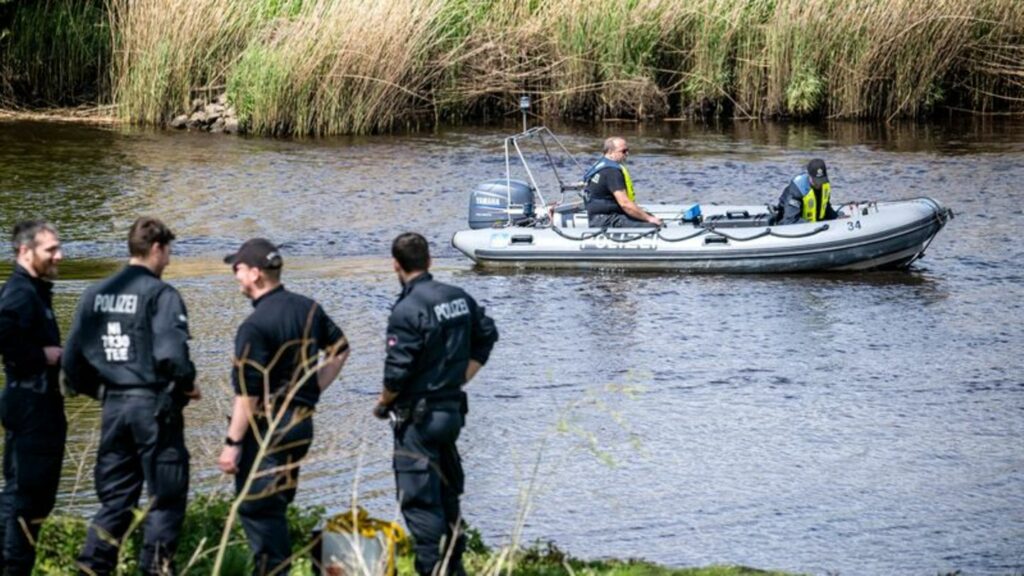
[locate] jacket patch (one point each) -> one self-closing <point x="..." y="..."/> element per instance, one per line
<point x="116" y="344"/>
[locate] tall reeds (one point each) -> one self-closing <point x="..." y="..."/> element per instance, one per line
<point x="53" y="51"/>
<point x="351" y="66"/>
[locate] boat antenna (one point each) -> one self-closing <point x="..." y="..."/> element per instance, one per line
<point x="524" y="105"/>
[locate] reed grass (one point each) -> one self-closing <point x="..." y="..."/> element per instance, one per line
<point x="348" y="66"/>
<point x="54" y="51"/>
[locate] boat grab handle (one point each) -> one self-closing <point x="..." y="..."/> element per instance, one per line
<point x="735" y="214"/>
<point x="715" y="239"/>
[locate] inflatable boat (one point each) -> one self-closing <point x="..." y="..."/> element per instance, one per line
<point x="507" y="229"/>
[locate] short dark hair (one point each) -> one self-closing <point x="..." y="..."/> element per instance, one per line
<point x="411" y="251"/>
<point x="144" y="233"/>
<point x="25" y="232"/>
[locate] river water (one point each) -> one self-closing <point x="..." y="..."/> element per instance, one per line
<point x="866" y="423"/>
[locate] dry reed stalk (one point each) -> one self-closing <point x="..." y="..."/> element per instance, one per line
<point x="336" y="66"/>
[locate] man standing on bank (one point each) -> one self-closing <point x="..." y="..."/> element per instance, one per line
<point x="287" y="352"/>
<point x="128" y="348"/>
<point x="609" y="195"/>
<point x="31" y="408"/>
<point x="437" y="340"/>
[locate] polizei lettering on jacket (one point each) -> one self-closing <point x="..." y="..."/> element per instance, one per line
<point x="116" y="303"/>
<point x="449" y="310"/>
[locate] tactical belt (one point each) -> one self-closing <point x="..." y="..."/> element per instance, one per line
<point x="37" y="384"/>
<point x="131" y="391"/>
<point x="444" y="401"/>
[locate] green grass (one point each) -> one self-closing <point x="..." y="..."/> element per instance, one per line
<point x="62" y="537"/>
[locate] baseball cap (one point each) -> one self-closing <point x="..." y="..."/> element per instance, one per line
<point x="256" y="253"/>
<point x="816" y="170"/>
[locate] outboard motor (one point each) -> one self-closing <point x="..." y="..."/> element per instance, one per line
<point x="498" y="201"/>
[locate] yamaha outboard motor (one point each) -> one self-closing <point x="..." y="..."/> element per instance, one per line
<point x="498" y="201"/>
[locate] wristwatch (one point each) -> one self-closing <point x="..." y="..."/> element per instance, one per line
<point x="228" y="441"/>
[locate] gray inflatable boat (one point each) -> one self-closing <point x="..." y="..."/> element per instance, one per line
<point x="506" y="230"/>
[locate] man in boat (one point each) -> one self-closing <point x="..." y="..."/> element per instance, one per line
<point x="438" y="337"/>
<point x="128" y="347"/>
<point x="609" y="191"/>
<point x="287" y="352"/>
<point x="31" y="408"/>
<point x="806" y="198"/>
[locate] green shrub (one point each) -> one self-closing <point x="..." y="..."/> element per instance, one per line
<point x="61" y="539"/>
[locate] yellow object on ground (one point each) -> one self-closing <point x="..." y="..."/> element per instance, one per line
<point x="355" y="543"/>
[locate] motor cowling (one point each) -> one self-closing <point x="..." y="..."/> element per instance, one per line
<point x="498" y="201"/>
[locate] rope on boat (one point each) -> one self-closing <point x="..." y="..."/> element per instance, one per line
<point x="771" y="232"/>
<point x="581" y="237"/>
<point x="681" y="238"/>
<point x="704" y="230"/>
<point x="942" y="215"/>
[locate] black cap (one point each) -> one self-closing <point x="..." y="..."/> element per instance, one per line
<point x="256" y="253"/>
<point x="817" y="171"/>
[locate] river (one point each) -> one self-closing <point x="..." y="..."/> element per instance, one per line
<point x="866" y="423"/>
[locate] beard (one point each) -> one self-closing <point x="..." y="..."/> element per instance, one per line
<point x="45" y="269"/>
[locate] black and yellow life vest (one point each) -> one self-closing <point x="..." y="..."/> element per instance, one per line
<point x="606" y="163"/>
<point x="812" y="211"/>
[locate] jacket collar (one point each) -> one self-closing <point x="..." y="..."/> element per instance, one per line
<point x="43" y="287"/>
<point x="278" y="289"/>
<point x="408" y="287"/>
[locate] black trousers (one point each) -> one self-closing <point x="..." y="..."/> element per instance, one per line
<point x="140" y="443"/>
<point x="429" y="478"/>
<point x="617" y="221"/>
<point x="264" y="512"/>
<point x="35" y="430"/>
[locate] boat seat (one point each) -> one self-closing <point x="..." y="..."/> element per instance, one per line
<point x="571" y="215"/>
<point x="576" y="220"/>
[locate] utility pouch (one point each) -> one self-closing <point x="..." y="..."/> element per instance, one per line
<point x="164" y="406"/>
<point x="179" y="397"/>
<point x="419" y="411"/>
<point x="400" y="417"/>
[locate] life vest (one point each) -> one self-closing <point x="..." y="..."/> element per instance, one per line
<point x="811" y="211"/>
<point x="606" y="163"/>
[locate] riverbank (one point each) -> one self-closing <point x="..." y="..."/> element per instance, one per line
<point x="89" y="115"/>
<point x="62" y="536"/>
<point x="310" y="68"/>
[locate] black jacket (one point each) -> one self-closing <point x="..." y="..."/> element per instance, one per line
<point x="433" y="332"/>
<point x="130" y="330"/>
<point x="284" y="334"/>
<point x="27" y="325"/>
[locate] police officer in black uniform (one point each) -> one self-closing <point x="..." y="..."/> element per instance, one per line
<point x="31" y="408"/>
<point x="128" y="347"/>
<point x="287" y="352"/>
<point x="437" y="340"/>
<point x="609" y="193"/>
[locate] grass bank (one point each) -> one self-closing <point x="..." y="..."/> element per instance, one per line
<point x="349" y="66"/>
<point x="61" y="539"/>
